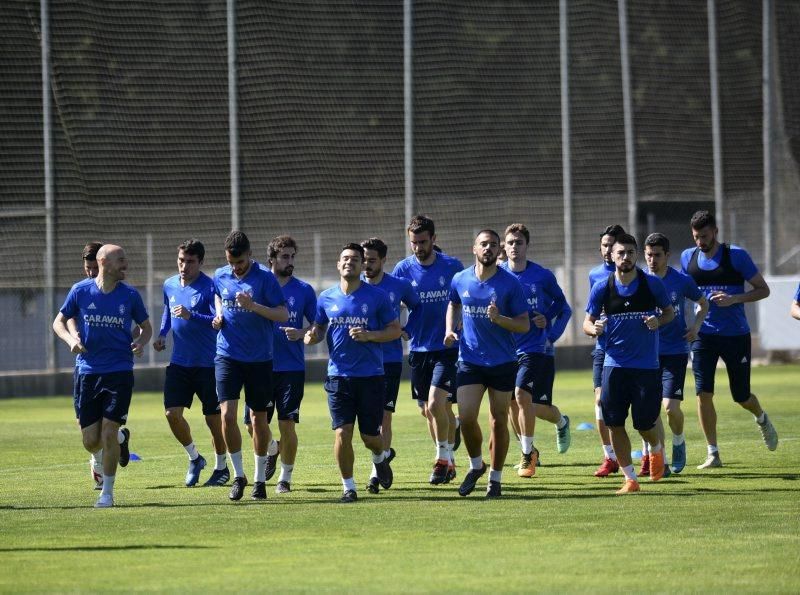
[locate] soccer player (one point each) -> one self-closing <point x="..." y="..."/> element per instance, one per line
<point x="720" y="272"/>
<point x="549" y="314"/>
<point x="433" y="364"/>
<point x="674" y="340"/>
<point x="630" y="300"/>
<point x="248" y="301"/>
<point x="600" y="273"/>
<point x="795" y="309"/>
<point x="490" y="303"/>
<point x="356" y="317"/>
<point x="105" y="309"/>
<point x="189" y="311"/>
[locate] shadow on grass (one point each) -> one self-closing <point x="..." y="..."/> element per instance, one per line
<point x="103" y="548"/>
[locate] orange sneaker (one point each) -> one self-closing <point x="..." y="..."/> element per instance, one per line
<point x="644" y="471"/>
<point x="527" y="464"/>
<point x="607" y="467"/>
<point x="629" y="487"/>
<point x="656" y="465"/>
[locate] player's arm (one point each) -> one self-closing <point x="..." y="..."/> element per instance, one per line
<point x="145" y="334"/>
<point x="62" y="331"/>
<point x="699" y="317"/>
<point x="315" y="334"/>
<point x="273" y="313"/>
<point x="593" y="326"/>
<point x="795" y="310"/>
<point x="216" y="324"/>
<point x="390" y="332"/>
<point x="521" y="323"/>
<point x="452" y="322"/>
<point x="72" y="325"/>
<point x="166" y="323"/>
<point x="759" y="291"/>
<point x="655" y="322"/>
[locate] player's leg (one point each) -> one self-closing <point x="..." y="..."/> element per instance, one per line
<point x="645" y="388"/>
<point x="673" y="375"/>
<point x="114" y="394"/>
<point x="258" y="396"/>
<point x="705" y="355"/>
<point x="610" y="463"/>
<point x="442" y="381"/>
<point x="205" y="388"/>
<point x="343" y="413"/>
<point x="469" y="405"/>
<point x="230" y="376"/>
<point x="526" y="420"/>
<point x="370" y="397"/>
<point x="179" y="389"/>
<point x="615" y="402"/>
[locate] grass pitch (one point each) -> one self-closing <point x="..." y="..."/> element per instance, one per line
<point x="734" y="528"/>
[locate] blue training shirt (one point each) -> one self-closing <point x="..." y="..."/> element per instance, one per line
<point x="545" y="297"/>
<point x="104" y="321"/>
<point x="797" y="295"/>
<point x="194" y="341"/>
<point x="301" y="301"/>
<point x="399" y="291"/>
<point x="482" y="342"/>
<point x="367" y="307"/>
<point x="426" y="323"/>
<point x="246" y="336"/>
<point x="731" y="320"/>
<point x="679" y="288"/>
<point x="600" y="273"/>
<point x="629" y="343"/>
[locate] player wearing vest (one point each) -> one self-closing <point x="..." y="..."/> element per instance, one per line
<point x="631" y="301"/>
<point x="720" y="272"/>
<point x="188" y="312"/>
<point x="105" y="309"/>
<point x="673" y="345"/>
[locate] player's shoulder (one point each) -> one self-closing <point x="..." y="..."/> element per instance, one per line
<point x="737" y="252"/>
<point x="450" y="261"/>
<point x="600" y="269"/>
<point x="330" y="293"/>
<point x="84" y="285"/>
<point x="171" y="282"/>
<point x="464" y="274"/>
<point x="299" y="284"/>
<point x="127" y="289"/>
<point x="223" y="271"/>
<point x="404" y="265"/>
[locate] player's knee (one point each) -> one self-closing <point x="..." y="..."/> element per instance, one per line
<point x="173" y="415"/>
<point x="344" y="433"/>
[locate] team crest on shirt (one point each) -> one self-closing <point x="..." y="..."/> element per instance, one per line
<point x="674" y="297"/>
<point x="364" y="308"/>
<point x="391" y="296"/>
<point x="533" y="288"/>
<point x="195" y="299"/>
<point x="121" y="309"/>
<point x="290" y="301"/>
<point x="441" y="281"/>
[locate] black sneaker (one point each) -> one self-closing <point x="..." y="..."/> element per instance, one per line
<point x="124" y="449"/>
<point x="218" y="478"/>
<point x="385" y="475"/>
<point x="283" y="487"/>
<point x="470" y="479"/>
<point x="457" y="441"/>
<point x="259" y="491"/>
<point x="272" y="462"/>
<point x="237" y="489"/>
<point x="439" y="473"/>
<point x="392" y="455"/>
<point x="373" y="487"/>
<point x="348" y="497"/>
<point x="493" y="489"/>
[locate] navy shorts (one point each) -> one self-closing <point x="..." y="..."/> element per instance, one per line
<point x="631" y="388"/>
<point x="673" y="375"/>
<point x="598" y="358"/>
<point x="536" y="373"/>
<point x="76" y="390"/>
<point x="351" y="399"/>
<point x="255" y="377"/>
<point x="500" y="377"/>
<point x="182" y="383"/>
<point x="287" y="394"/>
<point x="433" y="368"/>
<point x="391" y="382"/>
<point x="104" y="396"/>
<point x="734" y="351"/>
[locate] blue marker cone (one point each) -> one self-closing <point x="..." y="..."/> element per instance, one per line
<point x="585" y="426"/>
<point x="636" y="454"/>
<point x="135" y="457"/>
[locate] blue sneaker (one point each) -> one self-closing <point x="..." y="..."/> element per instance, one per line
<point x="678" y="458"/>
<point x="219" y="478"/>
<point x="195" y="467"/>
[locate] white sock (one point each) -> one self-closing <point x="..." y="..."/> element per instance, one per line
<point x="527" y="444"/>
<point x="450" y="456"/>
<point x="387" y="453"/>
<point x="495" y="475"/>
<point x="349" y="484"/>
<point x="645" y="448"/>
<point x="108" y="485"/>
<point x="561" y="423"/>
<point x="712" y="449"/>
<point x="458" y="422"/>
<point x="598" y="413"/>
<point x="221" y="462"/>
<point x="236" y="461"/>
<point x="761" y="418"/>
<point x="629" y="472"/>
<point x="97" y="461"/>
<point x="476" y="462"/>
<point x="378" y="458"/>
<point x="191" y="450"/>
<point x="374" y="472"/>
<point x="441" y="450"/>
<point x="272" y="449"/>
<point x="286" y="472"/>
<point x="678" y="439"/>
<point x="120" y="436"/>
<point x="609" y="451"/>
<point x="655" y="449"/>
<point x="261" y="467"/>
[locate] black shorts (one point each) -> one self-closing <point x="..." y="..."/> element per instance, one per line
<point x="499" y="377"/>
<point x="673" y="375"/>
<point x="287" y="394"/>
<point x="255" y="377"/>
<point x="105" y="395"/>
<point x="598" y="358"/>
<point x="536" y="373"/>
<point x="734" y="351"/>
<point x="351" y="399"/>
<point x="433" y="368"/>
<point x="631" y="388"/>
<point x="182" y="383"/>
<point x="391" y="382"/>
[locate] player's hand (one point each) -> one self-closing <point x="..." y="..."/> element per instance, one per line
<point x="76" y="346"/>
<point x="450" y="338"/>
<point x="359" y="334"/>
<point x="539" y="320"/>
<point x="160" y="344"/>
<point x="690" y="335"/>
<point x="310" y="337"/>
<point x="492" y="311"/>
<point x="599" y="327"/>
<point x="722" y="299"/>
<point x="137" y="349"/>
<point x="244" y="300"/>
<point x="651" y="322"/>
<point x="216" y="324"/>
<point x="182" y="312"/>
<point x="293" y="334"/>
<point x="405" y="336"/>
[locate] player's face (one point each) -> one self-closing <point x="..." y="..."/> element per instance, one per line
<point x="516" y="247"/>
<point x="188" y="266"/>
<point x="91" y="268"/>
<point x="373" y="264"/>
<point x="240" y="264"/>
<point x="705" y="238"/>
<point x="656" y="258"/>
<point x="115" y="265"/>
<point x="624" y="257"/>
<point x="283" y="263"/>
<point x="421" y="244"/>
<point x="606" y="245"/>
<point x="349" y="264"/>
<point x="486" y="249"/>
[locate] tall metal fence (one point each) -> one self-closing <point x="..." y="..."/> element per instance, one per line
<point x="145" y="122"/>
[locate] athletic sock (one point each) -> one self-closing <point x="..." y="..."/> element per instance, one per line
<point x="120" y="436"/>
<point x="629" y="472"/>
<point x="609" y="452"/>
<point x="378" y="458"/>
<point x="108" y="485"/>
<point x="272" y="449"/>
<point x="374" y="472"/>
<point x="221" y="462"/>
<point x="561" y="423"/>
<point x="191" y="450"/>
<point x="387" y="453"/>
<point x="495" y="475"/>
<point x="678" y="439"/>
<point x="712" y="449"/>
<point x="450" y="456"/>
<point x="97" y="461"/>
<point x="655" y="449"/>
<point x="476" y="463"/>
<point x="761" y="418"/>
<point x="527" y="444"/>
<point x="236" y="461"/>
<point x="286" y="472"/>
<point x="349" y="484"/>
<point x="261" y="467"/>
<point x="645" y="447"/>
<point x="441" y="450"/>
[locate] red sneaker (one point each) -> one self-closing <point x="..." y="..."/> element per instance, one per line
<point x="645" y="470"/>
<point x="606" y="468"/>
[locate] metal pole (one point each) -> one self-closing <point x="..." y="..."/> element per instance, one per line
<point x="49" y="192"/>
<point x="150" y="293"/>
<point x="233" y="117"/>
<point x="408" y="111"/>
<point x="627" y="103"/>
<point x="766" y="88"/>
<point x="566" y="159"/>
<point x="716" y="131"/>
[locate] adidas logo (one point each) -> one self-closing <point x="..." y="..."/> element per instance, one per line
<point x="466" y="293"/>
<point x="678" y="392"/>
<point x="627" y="303"/>
<point x="92" y="307"/>
<point x="414" y="283"/>
<point x="172" y="299"/>
<point x="270" y="404"/>
<point x="744" y="359"/>
<point x="447" y="383"/>
<point x="334" y="308"/>
<point x="530" y="384"/>
<point x="390" y="404"/>
<point x="543" y="398"/>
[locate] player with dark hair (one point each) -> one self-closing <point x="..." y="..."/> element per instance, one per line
<point x="600" y="274"/>
<point x="549" y="314"/>
<point x="630" y="300"/>
<point x="248" y="302"/>
<point x="720" y="272"/>
<point x="188" y="312"/>
<point x="673" y="344"/>
<point x="433" y="364"/>
<point x="105" y="309"/>
<point x="490" y="304"/>
<point x="356" y="317"/>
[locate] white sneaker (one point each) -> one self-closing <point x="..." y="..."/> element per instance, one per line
<point x="711" y="462"/>
<point x="104" y="501"/>
<point x="768" y="433"/>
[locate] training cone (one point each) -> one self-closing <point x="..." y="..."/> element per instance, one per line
<point x="135" y="457"/>
<point x="585" y="426"/>
<point x="635" y="454"/>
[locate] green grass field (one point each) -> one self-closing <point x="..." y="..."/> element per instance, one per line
<point x="734" y="528"/>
